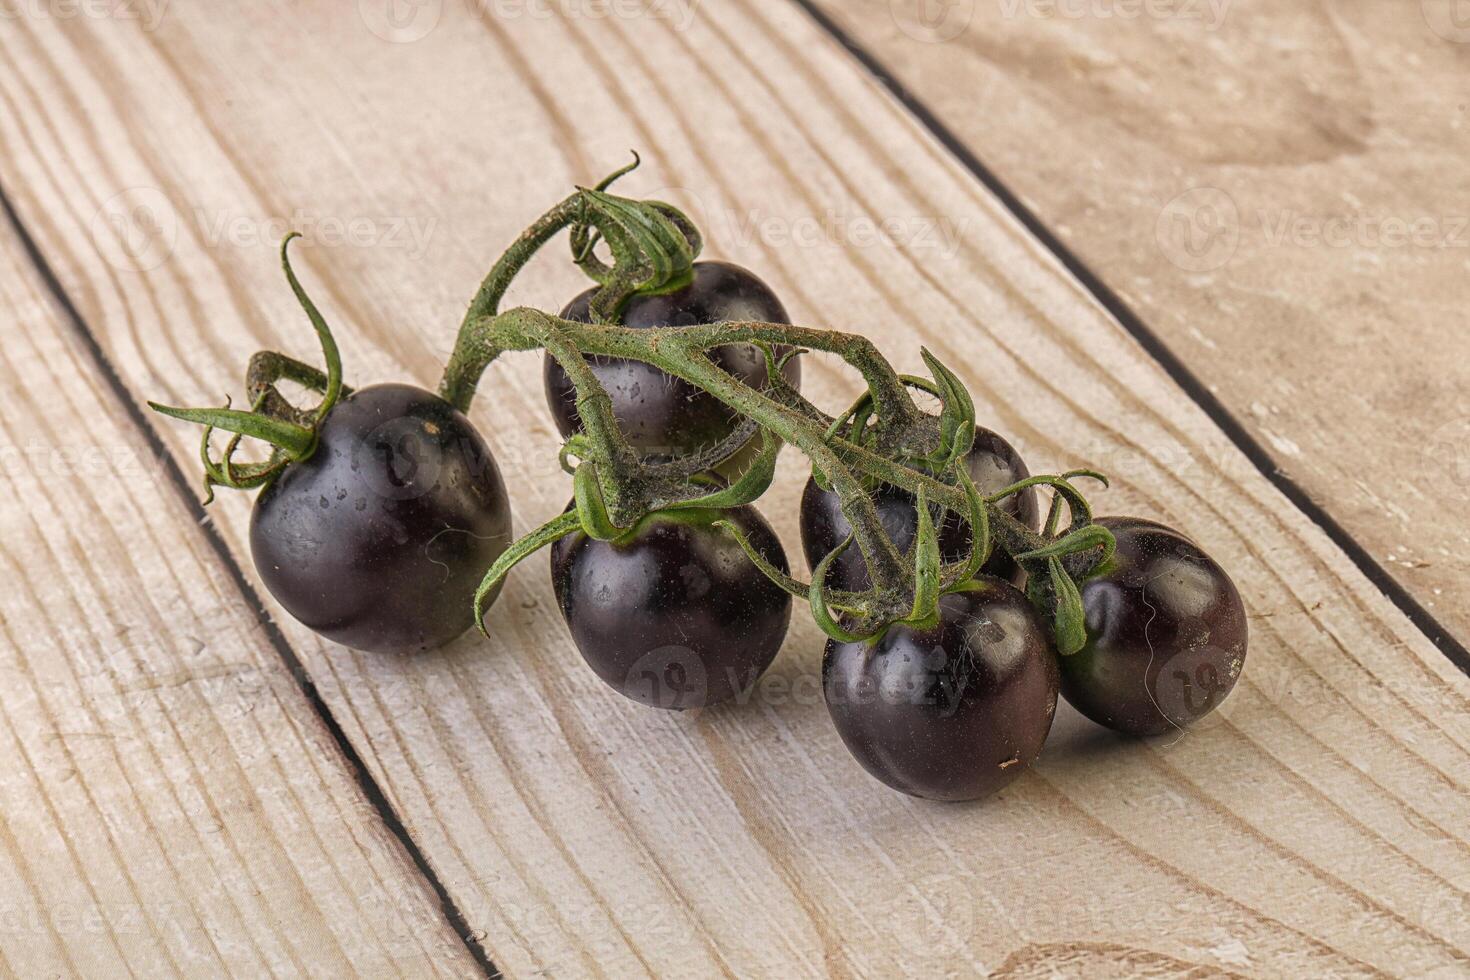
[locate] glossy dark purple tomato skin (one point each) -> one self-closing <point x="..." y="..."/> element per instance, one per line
<point x="658" y="413"/>
<point x="674" y="615"/>
<point x="955" y="712"/>
<point x="379" y="538"/>
<point x="994" y="465"/>
<point x="1167" y="633"/>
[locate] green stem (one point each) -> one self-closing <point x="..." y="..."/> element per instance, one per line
<point x="680" y="351"/>
<point x="885" y="564"/>
<point x="653" y="245"/>
<point x="904" y="447"/>
<point x="894" y="404"/>
<point x="609" y="447"/>
<point x="471" y="355"/>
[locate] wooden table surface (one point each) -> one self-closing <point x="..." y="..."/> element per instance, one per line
<point x="1218" y="249"/>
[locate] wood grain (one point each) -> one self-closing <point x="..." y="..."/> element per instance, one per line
<point x="1278" y="190"/>
<point x="170" y="805"/>
<point x="1316" y="825"/>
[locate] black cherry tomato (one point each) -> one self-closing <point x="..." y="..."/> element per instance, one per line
<point x="660" y="414"/>
<point x="380" y="537"/>
<point x="674" y="614"/>
<point x="1167" y="633"/>
<point x="954" y="712"/>
<point x="994" y="465"/>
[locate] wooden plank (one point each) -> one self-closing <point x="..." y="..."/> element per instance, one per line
<point x="1277" y="190"/>
<point x="1317" y="825"/>
<point x="171" y="804"/>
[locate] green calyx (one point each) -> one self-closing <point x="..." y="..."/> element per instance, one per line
<point x="821" y="604"/>
<point x="1061" y="557"/>
<point x="925" y="609"/>
<point x="589" y="513"/>
<point x="653" y="245"/>
<point x="289" y="431"/>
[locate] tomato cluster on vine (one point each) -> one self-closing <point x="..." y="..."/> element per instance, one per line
<point x="961" y="595"/>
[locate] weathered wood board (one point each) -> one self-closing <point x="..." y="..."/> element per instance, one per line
<point x="1317" y="825"/>
<point x="1278" y="190"/>
<point x="170" y="803"/>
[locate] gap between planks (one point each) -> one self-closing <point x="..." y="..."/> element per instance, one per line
<point x="1153" y="345"/>
<point x="186" y="492"/>
<point x="819" y="905"/>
